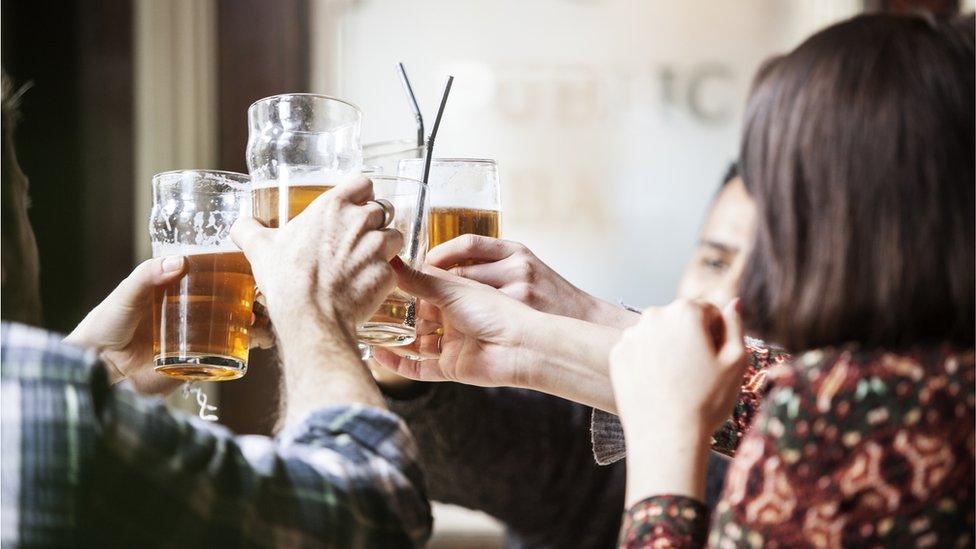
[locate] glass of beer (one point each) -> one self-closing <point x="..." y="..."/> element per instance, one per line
<point x="394" y="324"/>
<point x="201" y="321"/>
<point x="464" y="196"/>
<point x="299" y="146"/>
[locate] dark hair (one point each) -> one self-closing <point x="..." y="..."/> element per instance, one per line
<point x="858" y="148"/>
<point x="20" y="299"/>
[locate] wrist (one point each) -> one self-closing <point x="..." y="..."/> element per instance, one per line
<point x="321" y="365"/>
<point x="567" y="357"/>
<point x="666" y="461"/>
<point x="305" y="324"/>
<point x="605" y="313"/>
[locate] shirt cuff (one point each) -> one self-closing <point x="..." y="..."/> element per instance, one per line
<point x="379" y="430"/>
<point x="665" y="521"/>
<point x="607" y="437"/>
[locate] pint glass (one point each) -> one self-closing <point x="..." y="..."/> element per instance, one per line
<point x="394" y="324"/>
<point x="201" y="321"/>
<point x="298" y="147"/>
<point x="464" y="196"/>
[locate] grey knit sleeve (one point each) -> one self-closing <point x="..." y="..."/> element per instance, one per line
<point x="607" y="436"/>
<point x="521" y="456"/>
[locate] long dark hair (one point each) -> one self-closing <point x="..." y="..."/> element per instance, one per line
<point x="858" y="148"/>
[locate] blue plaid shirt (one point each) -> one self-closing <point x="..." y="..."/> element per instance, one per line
<point x="87" y="464"/>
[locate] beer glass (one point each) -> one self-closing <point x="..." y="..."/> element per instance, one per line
<point x="394" y="324"/>
<point x="299" y="146"/>
<point x="201" y="321"/>
<point x="464" y="196"/>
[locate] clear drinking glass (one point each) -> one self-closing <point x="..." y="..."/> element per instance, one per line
<point x="394" y="324"/>
<point x="386" y="154"/>
<point x="464" y="196"/>
<point x="299" y="146"/>
<point x="201" y="321"/>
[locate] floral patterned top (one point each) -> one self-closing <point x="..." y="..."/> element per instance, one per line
<point x="850" y="448"/>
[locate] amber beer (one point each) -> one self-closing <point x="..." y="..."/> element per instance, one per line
<point x="267" y="206"/>
<point x="450" y="223"/>
<point x="397" y="310"/>
<point x="200" y="322"/>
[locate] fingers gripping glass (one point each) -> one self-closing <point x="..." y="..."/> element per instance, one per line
<point x="298" y="147"/>
<point x="464" y="197"/>
<point x="201" y="321"/>
<point x="404" y="203"/>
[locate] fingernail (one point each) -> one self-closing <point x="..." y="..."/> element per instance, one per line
<point x="396" y="263"/>
<point x="173" y="264"/>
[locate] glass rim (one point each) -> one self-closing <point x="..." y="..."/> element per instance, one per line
<point x="173" y="176"/>
<point x="389" y="177"/>
<point x="454" y="160"/>
<point x="201" y="171"/>
<point x="402" y="146"/>
<point x="305" y="94"/>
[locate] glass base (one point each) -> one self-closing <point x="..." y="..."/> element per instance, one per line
<point x="386" y="335"/>
<point x="200" y="367"/>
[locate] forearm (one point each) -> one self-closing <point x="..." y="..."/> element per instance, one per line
<point x="607" y="314"/>
<point x="344" y="475"/>
<point x="321" y="367"/>
<point x="568" y="358"/>
<point x="669" y="461"/>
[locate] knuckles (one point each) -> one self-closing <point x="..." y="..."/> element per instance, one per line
<point x="524" y="271"/>
<point x="521" y="291"/>
<point x="469" y="242"/>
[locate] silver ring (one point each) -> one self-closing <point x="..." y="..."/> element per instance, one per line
<point x="388" y="211"/>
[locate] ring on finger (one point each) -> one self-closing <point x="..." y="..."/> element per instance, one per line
<point x="388" y="211"/>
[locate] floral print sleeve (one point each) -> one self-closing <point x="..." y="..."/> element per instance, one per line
<point x="759" y="360"/>
<point x="665" y="522"/>
<point x="851" y="448"/>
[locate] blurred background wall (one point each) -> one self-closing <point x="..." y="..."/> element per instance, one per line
<point x="612" y="122"/>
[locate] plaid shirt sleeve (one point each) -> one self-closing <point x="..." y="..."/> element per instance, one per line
<point x="120" y="469"/>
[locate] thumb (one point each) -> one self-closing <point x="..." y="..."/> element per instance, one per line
<point x="135" y="289"/>
<point x="250" y="236"/>
<point x="433" y="286"/>
<point x="733" y="348"/>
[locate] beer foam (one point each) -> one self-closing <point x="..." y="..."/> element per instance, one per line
<point x="162" y="248"/>
<point x="319" y="178"/>
<point x="474" y="201"/>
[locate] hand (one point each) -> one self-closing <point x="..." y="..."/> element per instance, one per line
<point x="321" y="275"/>
<point x="120" y="327"/>
<point x="517" y="272"/>
<point x="676" y="376"/>
<point x="489" y="339"/>
<point x="329" y="262"/>
<point x="467" y="331"/>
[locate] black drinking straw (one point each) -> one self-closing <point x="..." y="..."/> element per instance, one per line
<point x="433" y="132"/>
<point x="413" y="104"/>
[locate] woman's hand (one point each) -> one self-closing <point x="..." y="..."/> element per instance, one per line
<point x="120" y="327"/>
<point x="475" y="334"/>
<point x="676" y="376"/>
<point x="517" y="272"/>
<point x="466" y="331"/>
